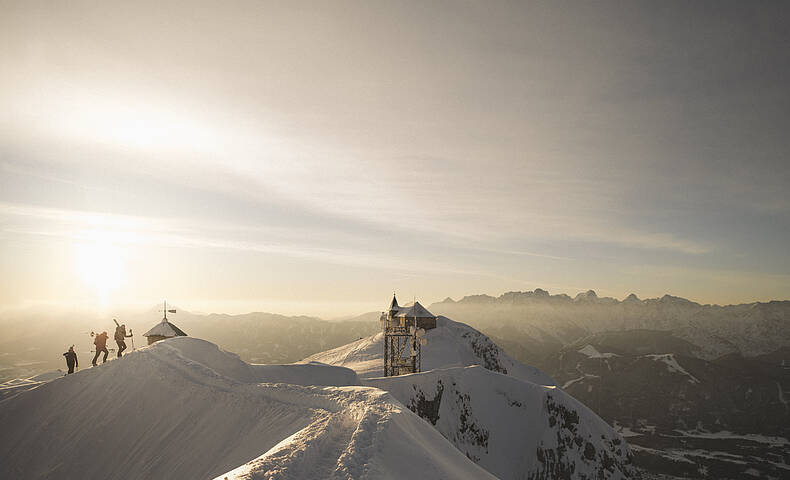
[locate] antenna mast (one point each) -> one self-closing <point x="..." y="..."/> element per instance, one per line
<point x="403" y="339"/>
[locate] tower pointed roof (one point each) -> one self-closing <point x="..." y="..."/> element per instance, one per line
<point x="394" y="303"/>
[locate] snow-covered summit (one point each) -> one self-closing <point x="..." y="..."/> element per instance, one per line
<point x="450" y="344"/>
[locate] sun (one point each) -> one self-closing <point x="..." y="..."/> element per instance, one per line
<point x="100" y="265"/>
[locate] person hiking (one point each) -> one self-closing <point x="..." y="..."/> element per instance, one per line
<point x="120" y="335"/>
<point x="101" y="346"/>
<point x="71" y="359"/>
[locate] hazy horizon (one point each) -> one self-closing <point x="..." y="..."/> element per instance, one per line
<point x="317" y="310"/>
<point x="313" y="158"/>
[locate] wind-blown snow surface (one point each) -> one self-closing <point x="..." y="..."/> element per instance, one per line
<point x="183" y="409"/>
<point x="450" y="344"/>
<point x="507" y="417"/>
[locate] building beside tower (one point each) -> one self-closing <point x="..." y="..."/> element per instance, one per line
<point x="410" y="314"/>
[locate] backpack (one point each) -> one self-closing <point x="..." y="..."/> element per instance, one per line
<point x="120" y="333"/>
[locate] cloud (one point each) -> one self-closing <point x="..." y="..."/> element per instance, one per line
<point x="633" y="239"/>
<point x="187" y="233"/>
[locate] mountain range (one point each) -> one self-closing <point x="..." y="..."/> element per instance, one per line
<point x="712" y="330"/>
<point x="699" y="390"/>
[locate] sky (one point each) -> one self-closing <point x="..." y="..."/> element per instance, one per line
<point x="314" y="157"/>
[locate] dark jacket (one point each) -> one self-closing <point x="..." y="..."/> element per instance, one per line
<point x="120" y="333"/>
<point x="71" y="358"/>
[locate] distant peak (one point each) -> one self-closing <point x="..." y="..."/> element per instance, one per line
<point x="676" y="300"/>
<point x="447" y="300"/>
<point x="477" y="299"/>
<point x="671" y="298"/>
<point x="589" y="295"/>
<point x="631" y="298"/>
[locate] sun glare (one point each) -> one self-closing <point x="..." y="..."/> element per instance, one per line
<point x="101" y="267"/>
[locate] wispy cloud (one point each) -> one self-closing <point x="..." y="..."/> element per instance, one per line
<point x="185" y="233"/>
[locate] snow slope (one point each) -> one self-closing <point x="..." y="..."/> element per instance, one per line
<point x="514" y="429"/>
<point x="450" y="344"/>
<point x="18" y="385"/>
<point x="367" y="435"/>
<point x="509" y="418"/>
<point x="313" y="373"/>
<point x="183" y="409"/>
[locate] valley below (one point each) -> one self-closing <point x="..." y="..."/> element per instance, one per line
<point x="699" y="391"/>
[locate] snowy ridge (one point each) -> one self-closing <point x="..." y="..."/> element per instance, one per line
<point x="183" y="409"/>
<point x="360" y="425"/>
<point x="450" y="344"/>
<point x="514" y="429"/>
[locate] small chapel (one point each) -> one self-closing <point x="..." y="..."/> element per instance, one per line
<point x="164" y="329"/>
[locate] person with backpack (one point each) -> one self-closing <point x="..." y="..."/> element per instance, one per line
<point x="71" y="359"/>
<point x="101" y="346"/>
<point x="120" y="335"/>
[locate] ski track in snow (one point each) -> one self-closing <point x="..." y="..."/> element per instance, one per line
<point x="323" y="449"/>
